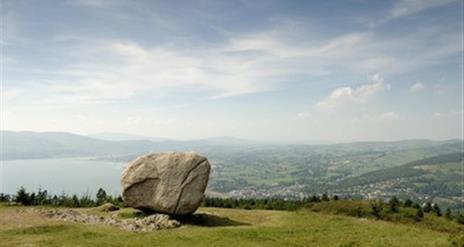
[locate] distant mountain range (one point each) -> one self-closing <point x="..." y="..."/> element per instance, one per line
<point x="30" y="145"/>
<point x="114" y="136"/>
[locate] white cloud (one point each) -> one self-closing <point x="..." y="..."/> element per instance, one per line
<point x="345" y="96"/>
<point x="104" y="71"/>
<point x="448" y="114"/>
<point x="409" y="7"/>
<point x="402" y="8"/>
<point x="417" y="87"/>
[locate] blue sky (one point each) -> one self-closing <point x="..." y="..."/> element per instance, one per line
<point x="293" y="71"/>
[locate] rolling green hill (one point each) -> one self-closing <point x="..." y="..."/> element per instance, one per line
<point x="244" y="168"/>
<point x="410" y="169"/>
<point x="438" y="178"/>
<point x="21" y="226"/>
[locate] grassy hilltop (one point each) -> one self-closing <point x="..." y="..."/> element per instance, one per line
<point x="23" y="226"/>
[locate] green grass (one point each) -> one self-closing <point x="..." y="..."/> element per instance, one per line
<point x="362" y="208"/>
<point x="223" y="227"/>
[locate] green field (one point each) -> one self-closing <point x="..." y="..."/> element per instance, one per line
<point x="21" y="226"/>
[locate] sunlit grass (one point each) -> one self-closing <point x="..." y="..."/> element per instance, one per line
<point x="227" y="227"/>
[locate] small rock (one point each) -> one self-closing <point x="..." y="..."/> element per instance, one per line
<point x="107" y="207"/>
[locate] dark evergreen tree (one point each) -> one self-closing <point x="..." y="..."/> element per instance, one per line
<point x="75" y="202"/>
<point x="436" y="209"/>
<point x="408" y="203"/>
<point x="419" y="214"/>
<point x="101" y="196"/>
<point x="448" y="214"/>
<point x="315" y="198"/>
<point x="55" y="201"/>
<point x="460" y="219"/>
<point x="22" y="197"/>
<point x="376" y="209"/>
<point x="32" y="199"/>
<point x="393" y="204"/>
<point x="325" y="197"/>
<point x="42" y="197"/>
<point x="4" y="198"/>
<point x="428" y="207"/>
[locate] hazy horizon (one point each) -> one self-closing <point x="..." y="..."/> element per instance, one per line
<point x="120" y="136"/>
<point x="275" y="71"/>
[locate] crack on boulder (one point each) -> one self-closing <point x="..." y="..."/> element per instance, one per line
<point x="137" y="183"/>
<point x="183" y="183"/>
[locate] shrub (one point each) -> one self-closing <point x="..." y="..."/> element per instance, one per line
<point x="436" y="209"/>
<point x="393" y="204"/>
<point x="325" y="197"/>
<point x="428" y="207"/>
<point x="460" y="219"/>
<point x="376" y="209"/>
<point x="448" y="214"/>
<point x="4" y="198"/>
<point x="22" y="197"/>
<point x="408" y="203"/>
<point x="419" y="214"/>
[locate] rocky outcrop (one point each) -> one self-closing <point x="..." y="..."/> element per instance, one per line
<point x="171" y="183"/>
<point x="149" y="223"/>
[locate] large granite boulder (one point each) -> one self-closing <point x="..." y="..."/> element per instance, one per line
<point x="171" y="183"/>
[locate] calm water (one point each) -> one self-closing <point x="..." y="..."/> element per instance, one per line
<point x="69" y="175"/>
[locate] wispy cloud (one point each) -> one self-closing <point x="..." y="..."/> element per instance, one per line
<point x="105" y="70"/>
<point x="127" y="65"/>
<point x="403" y="8"/>
<point x="346" y="96"/>
<point x="409" y="7"/>
<point x="417" y="87"/>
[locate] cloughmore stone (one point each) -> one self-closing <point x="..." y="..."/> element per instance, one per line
<point x="171" y="183"/>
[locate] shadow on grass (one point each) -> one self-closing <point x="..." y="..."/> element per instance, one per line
<point x="208" y="220"/>
<point x="198" y="219"/>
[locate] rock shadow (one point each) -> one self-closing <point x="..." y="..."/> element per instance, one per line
<point x="208" y="220"/>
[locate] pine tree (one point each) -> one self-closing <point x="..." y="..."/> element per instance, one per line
<point x="55" y="201"/>
<point x="22" y="197"/>
<point x="101" y="196"/>
<point x="4" y="197"/>
<point x="315" y="198"/>
<point x="42" y="197"/>
<point x="32" y="199"/>
<point x="448" y="214"/>
<point x="376" y="209"/>
<point x="460" y="219"/>
<point x="393" y="204"/>
<point x="408" y="203"/>
<point x="436" y="209"/>
<point x="419" y="214"/>
<point x="75" y="202"/>
<point x="428" y="207"/>
<point x="325" y="197"/>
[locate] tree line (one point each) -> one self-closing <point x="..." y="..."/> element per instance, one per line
<point x="43" y="198"/>
<point x="378" y="208"/>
